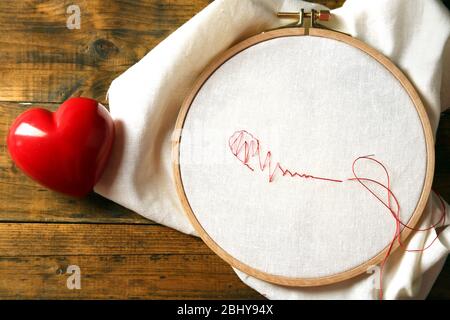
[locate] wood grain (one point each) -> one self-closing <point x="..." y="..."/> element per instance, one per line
<point x="153" y="276"/>
<point x="116" y="261"/>
<point x="25" y="239"/>
<point x="44" y="61"/>
<point x="121" y="254"/>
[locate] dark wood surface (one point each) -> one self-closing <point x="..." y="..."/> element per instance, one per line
<point x="121" y="254"/>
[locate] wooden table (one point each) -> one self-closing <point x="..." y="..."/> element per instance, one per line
<point x="120" y="254"/>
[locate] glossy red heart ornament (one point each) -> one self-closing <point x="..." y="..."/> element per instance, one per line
<point x="65" y="150"/>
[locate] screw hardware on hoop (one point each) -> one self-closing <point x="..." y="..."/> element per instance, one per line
<point x="306" y="19"/>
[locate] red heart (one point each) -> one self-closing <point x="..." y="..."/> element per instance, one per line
<point x="66" y="150"/>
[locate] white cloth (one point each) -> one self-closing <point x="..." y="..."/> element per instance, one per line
<point x="144" y="102"/>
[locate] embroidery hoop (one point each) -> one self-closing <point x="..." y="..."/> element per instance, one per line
<point x="302" y="29"/>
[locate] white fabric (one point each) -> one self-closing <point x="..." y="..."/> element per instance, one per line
<point x="144" y="102"/>
<point x="298" y="227"/>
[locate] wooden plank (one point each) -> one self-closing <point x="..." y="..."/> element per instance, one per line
<point x="150" y="276"/>
<point x="36" y="204"/>
<point x="49" y="239"/>
<point x="43" y="60"/>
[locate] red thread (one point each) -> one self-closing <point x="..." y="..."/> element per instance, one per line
<point x="395" y="211"/>
<point x="246" y="147"/>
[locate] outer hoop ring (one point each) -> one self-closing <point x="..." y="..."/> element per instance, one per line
<point x="288" y="32"/>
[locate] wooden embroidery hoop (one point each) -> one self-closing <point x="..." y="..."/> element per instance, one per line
<point x="303" y="28"/>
